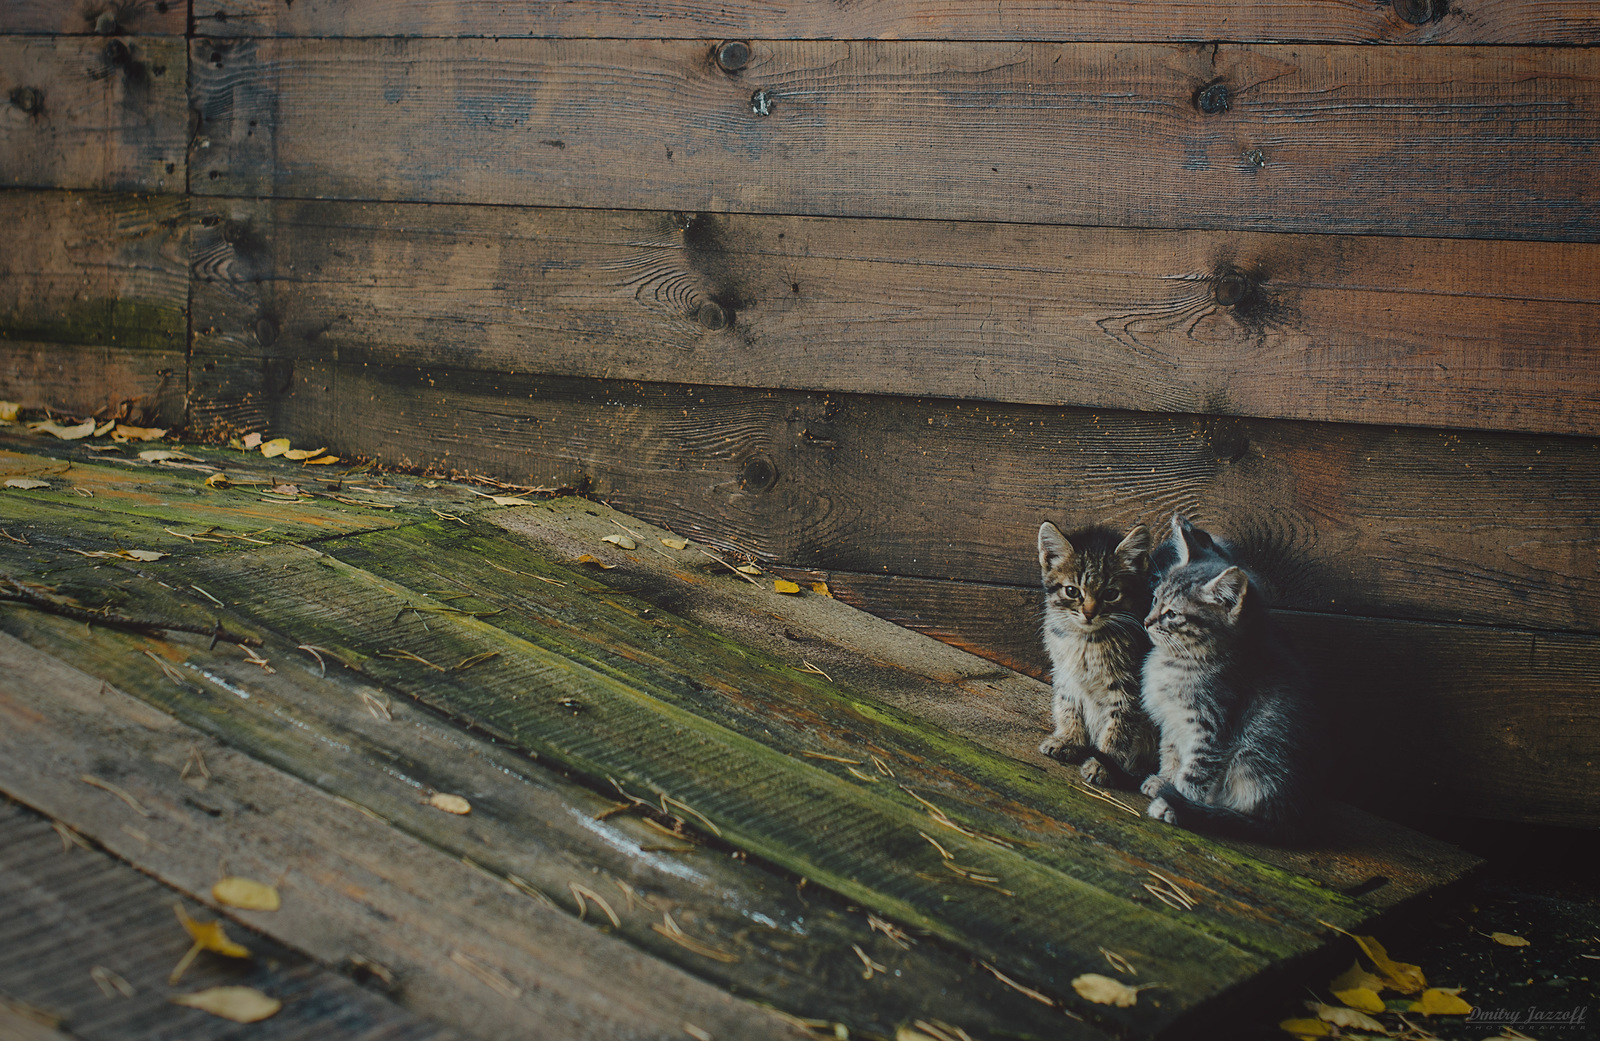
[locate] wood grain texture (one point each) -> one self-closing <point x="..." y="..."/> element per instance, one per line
<point x="97" y="17"/>
<point x="1344" y="21"/>
<point x="94" y="303"/>
<point x="89" y="112"/>
<point x="1440" y="332"/>
<point x="1458" y="142"/>
<point x="1427" y="719"/>
<point x="353" y="884"/>
<point x="1493" y="529"/>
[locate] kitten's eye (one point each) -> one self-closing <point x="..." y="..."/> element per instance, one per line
<point x="1111" y="595"/>
<point x="1072" y="592"/>
<point x="1169" y="616"/>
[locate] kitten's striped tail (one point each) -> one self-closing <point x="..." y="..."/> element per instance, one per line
<point x="1220" y="820"/>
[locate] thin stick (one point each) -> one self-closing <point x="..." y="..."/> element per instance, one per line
<point x="730" y="567"/>
<point x="118" y="792"/>
<point x="579" y="893"/>
<point x="1019" y="988"/>
<point x="21" y="594"/>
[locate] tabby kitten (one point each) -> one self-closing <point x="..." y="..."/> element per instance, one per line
<point x="1096" y="590"/>
<point x="1229" y="698"/>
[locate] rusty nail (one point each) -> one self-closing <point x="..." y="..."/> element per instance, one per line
<point x="28" y="99"/>
<point x="1231" y="289"/>
<point x="1417" y="12"/>
<point x="1213" y="99"/>
<point x="761" y="102"/>
<point x="711" y="315"/>
<point x="758" y="474"/>
<point x="733" y="55"/>
<point x="266" y="332"/>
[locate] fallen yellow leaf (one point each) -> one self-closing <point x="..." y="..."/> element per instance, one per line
<point x="1307" y="1027"/>
<point x="161" y="455"/>
<point x="323" y="460"/>
<point x="783" y="585"/>
<point x="1103" y="990"/>
<point x="675" y="543"/>
<point x="207" y="936"/>
<point x="620" y="540"/>
<point x="1356" y="977"/>
<point x="821" y="589"/>
<point x="595" y="561"/>
<point x="124" y="432"/>
<point x="26" y="483"/>
<point x="748" y="569"/>
<point x="246" y="894"/>
<point x="142" y="554"/>
<point x="103" y="428"/>
<point x="240" y="1004"/>
<point x="1440" y="1002"/>
<point x="1504" y="939"/>
<point x="1402" y="976"/>
<point x="450" y="803"/>
<point x="512" y="500"/>
<point x="1348" y="1017"/>
<point x="50" y="426"/>
<point x="10" y="411"/>
<point x="274" y="448"/>
<point x="300" y="455"/>
<point x="251" y="441"/>
<point x="1364" y="998"/>
<point x="217" y="480"/>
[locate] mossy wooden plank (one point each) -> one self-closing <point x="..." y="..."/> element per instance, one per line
<point x="95" y="113"/>
<point x="1462" y="21"/>
<point x="1318" y="140"/>
<point x="461" y="945"/>
<point x="52" y="17"/>
<point x="1441" y="332"/>
<point x="789" y="944"/>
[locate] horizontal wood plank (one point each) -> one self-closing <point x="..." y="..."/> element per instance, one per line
<point x="94" y="298"/>
<point x="1332" y="139"/>
<point x="1345" y="21"/>
<point x="95" y="113"/>
<point x="1493" y="529"/>
<point x="98" y="17"/>
<point x="1428" y="720"/>
<point x="471" y="950"/>
<point x="1440" y="332"/>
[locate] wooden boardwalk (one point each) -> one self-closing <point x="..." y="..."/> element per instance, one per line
<point x="699" y="807"/>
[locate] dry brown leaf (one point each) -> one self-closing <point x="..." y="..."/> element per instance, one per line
<point x="1503" y="939"/>
<point x="102" y="448"/>
<point x="323" y="460"/>
<point x="251" y="441"/>
<point x="124" y="432"/>
<point x="26" y="483"/>
<point x="748" y="569"/>
<point x="246" y="894"/>
<point x="675" y="543"/>
<point x="512" y="500"/>
<point x="1440" y="1002"/>
<point x="1347" y="1017"/>
<point x="450" y="803"/>
<point x="274" y="448"/>
<point x="142" y="554"/>
<point x="1103" y="990"/>
<point x="240" y="1004"/>
<point x="10" y="411"/>
<point x="300" y="455"/>
<point x="783" y="585"/>
<point x="162" y="455"/>
<point x="821" y="589"/>
<point x="1364" y="998"/>
<point x="50" y="426"/>
<point x="104" y="428"/>
<point x="1307" y="1027"/>
<point x="217" y="480"/>
<point x="620" y="540"/>
<point x="594" y="561"/>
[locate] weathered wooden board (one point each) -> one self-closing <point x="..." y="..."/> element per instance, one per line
<point x="1491" y="529"/>
<point x="1345" y="21"/>
<point x="1428" y="719"/>
<point x="1267" y="138"/>
<point x="94" y="304"/>
<point x="71" y="917"/>
<point x="101" y="17"/>
<point x="467" y="948"/>
<point x="90" y="112"/>
<point x="1441" y="332"/>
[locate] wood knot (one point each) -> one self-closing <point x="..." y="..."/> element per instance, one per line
<point x="266" y="331"/>
<point x="1418" y="12"/>
<point x="117" y="53"/>
<point x="733" y="55"/>
<point x="1232" y="289"/>
<point x="28" y="99"/>
<point x="1212" y="99"/>
<point x="759" y="474"/>
<point x="711" y="315"/>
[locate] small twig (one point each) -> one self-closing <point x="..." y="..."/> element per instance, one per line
<point x="730" y="567"/>
<point x="205" y="594"/>
<point x="581" y="893"/>
<point x="118" y="792"/>
<point x="21" y="594"/>
<point x="1118" y="803"/>
<point x="670" y="929"/>
<point x="399" y="654"/>
<point x="313" y="651"/>
<point x="110" y="982"/>
<point x="808" y="667"/>
<point x="1019" y="988"/>
<point x="871" y="966"/>
<point x="487" y="976"/>
<point x="1119" y="963"/>
<point x="476" y="659"/>
<point x="896" y="935"/>
<point x="832" y="758"/>
<point x="69" y="838"/>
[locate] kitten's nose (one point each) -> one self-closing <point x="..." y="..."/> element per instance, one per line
<point x="1089" y="606"/>
<point x="1150" y="619"/>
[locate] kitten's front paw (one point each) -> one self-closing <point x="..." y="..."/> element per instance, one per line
<point x="1161" y="811"/>
<point x="1152" y="786"/>
<point x="1057" y="746"/>
<point x="1095" y="772"/>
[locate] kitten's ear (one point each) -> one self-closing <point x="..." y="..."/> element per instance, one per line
<point x="1180" y="541"/>
<point x="1229" y="589"/>
<point x="1135" y="547"/>
<point x="1053" y="546"/>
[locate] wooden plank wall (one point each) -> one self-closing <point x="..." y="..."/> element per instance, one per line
<point x="869" y="290"/>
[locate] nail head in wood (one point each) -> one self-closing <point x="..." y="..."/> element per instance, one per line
<point x="733" y="55"/>
<point x="759" y="474"/>
<point x="1231" y="289"/>
<point x="711" y="315"/>
<point x="1417" y="12"/>
<point x="28" y="99"/>
<point x="1213" y="99"/>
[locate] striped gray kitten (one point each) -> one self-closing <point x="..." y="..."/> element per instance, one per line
<point x="1096" y="590"/>
<point x="1229" y="698"/>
